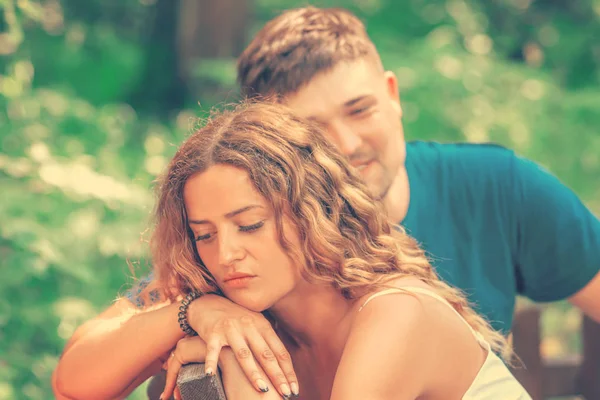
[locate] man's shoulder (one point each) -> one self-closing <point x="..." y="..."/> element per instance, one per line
<point x="462" y="160"/>
<point x="457" y="150"/>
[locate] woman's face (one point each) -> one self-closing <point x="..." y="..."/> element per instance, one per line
<point x="236" y="238"/>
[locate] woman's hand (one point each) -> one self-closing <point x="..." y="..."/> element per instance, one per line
<point x="220" y="322"/>
<point x="193" y="349"/>
<point x="188" y="350"/>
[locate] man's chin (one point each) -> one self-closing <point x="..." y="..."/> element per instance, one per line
<point x="375" y="178"/>
<point x="379" y="187"/>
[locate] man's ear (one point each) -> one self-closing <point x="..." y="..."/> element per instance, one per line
<point x="391" y="83"/>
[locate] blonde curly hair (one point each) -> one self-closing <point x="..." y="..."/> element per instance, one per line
<point x="346" y="240"/>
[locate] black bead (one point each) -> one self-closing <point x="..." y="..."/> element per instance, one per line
<point x="182" y="315"/>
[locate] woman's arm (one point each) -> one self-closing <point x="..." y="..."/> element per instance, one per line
<point x="112" y="354"/>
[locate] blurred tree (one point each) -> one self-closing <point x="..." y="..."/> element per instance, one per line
<point x="199" y="37"/>
<point x="548" y="33"/>
<point x="184" y="38"/>
<point x="160" y="88"/>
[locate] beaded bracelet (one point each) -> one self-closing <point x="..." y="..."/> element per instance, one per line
<point x="183" y="322"/>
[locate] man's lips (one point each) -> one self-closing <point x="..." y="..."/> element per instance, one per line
<point x="362" y="165"/>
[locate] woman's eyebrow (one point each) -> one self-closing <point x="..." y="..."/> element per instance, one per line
<point x="230" y="214"/>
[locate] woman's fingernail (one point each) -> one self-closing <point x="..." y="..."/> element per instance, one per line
<point x="262" y="385"/>
<point x="161" y="397"/>
<point x="209" y="371"/>
<point x="285" y="389"/>
<point x="295" y="389"/>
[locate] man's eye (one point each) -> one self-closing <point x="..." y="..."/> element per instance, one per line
<point x="360" y="110"/>
<point x="253" y="227"/>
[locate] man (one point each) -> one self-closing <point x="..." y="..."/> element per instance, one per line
<point x="496" y="225"/>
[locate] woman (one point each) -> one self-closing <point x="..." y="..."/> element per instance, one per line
<point x="259" y="207"/>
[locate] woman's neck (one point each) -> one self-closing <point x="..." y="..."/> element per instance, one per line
<point x="311" y="314"/>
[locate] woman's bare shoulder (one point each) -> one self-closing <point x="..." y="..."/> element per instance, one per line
<point x="421" y="328"/>
<point x="390" y="338"/>
<point x="398" y="283"/>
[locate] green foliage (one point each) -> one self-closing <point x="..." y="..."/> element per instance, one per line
<point x="77" y="162"/>
<point x="72" y="214"/>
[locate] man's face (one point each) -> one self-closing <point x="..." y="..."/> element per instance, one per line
<point x="358" y="104"/>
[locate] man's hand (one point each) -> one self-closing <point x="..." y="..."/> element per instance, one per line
<point x="220" y="322"/>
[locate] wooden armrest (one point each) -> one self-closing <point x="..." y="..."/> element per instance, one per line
<point x="193" y="384"/>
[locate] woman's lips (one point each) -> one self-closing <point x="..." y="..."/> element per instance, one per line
<point x="239" y="282"/>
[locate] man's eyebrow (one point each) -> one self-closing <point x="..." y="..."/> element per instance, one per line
<point x="355" y="100"/>
<point x="346" y="104"/>
<point x="228" y="215"/>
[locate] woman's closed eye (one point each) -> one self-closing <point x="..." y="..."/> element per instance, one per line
<point x="242" y="228"/>
<point x="253" y="227"/>
<point x="204" y="238"/>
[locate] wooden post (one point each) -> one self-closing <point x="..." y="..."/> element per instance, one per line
<point x="526" y="341"/>
<point x="589" y="374"/>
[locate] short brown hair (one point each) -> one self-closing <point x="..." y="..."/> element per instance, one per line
<point x="295" y="46"/>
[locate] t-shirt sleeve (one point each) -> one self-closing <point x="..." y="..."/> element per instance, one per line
<point x="558" y="237"/>
<point x="142" y="293"/>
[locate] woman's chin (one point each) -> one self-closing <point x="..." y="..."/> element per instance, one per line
<point x="256" y="305"/>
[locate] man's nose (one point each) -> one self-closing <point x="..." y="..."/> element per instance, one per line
<point x="344" y="137"/>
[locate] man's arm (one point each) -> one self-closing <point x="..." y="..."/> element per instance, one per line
<point x="588" y="298"/>
<point x="557" y="241"/>
<point x="112" y="354"/>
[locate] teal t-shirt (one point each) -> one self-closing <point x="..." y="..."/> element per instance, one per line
<point x="497" y="225"/>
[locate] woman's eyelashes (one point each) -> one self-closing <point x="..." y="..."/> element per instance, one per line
<point x="253" y="227"/>
<point x="203" y="238"/>
<point x="242" y="228"/>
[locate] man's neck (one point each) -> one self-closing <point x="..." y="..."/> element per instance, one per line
<point x="397" y="199"/>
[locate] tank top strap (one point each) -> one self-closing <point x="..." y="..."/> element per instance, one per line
<point x="430" y="293"/>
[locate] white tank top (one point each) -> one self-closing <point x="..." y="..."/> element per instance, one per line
<point x="494" y="381"/>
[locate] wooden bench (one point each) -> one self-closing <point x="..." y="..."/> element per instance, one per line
<point x="575" y="375"/>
